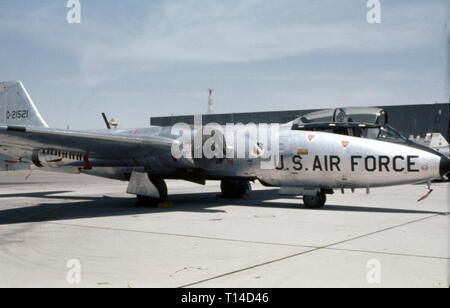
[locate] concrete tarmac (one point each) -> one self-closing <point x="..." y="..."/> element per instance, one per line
<point x="56" y="228"/>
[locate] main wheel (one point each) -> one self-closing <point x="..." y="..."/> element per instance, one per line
<point x="315" y="202"/>
<point x="161" y="186"/>
<point x="234" y="188"/>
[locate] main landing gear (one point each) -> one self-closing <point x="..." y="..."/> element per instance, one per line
<point x="316" y="201"/>
<point x="234" y="188"/>
<point x="161" y="187"/>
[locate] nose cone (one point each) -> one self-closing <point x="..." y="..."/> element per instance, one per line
<point x="444" y="166"/>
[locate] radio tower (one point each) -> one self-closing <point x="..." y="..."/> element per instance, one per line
<point x="210" y="101"/>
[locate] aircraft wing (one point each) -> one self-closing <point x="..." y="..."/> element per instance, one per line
<point x="8" y="163"/>
<point x="101" y="145"/>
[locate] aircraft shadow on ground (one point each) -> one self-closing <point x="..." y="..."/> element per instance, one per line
<point x="73" y="207"/>
<point x="14" y="184"/>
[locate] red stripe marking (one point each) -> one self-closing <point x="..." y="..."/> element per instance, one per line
<point x="55" y="160"/>
<point x="87" y="164"/>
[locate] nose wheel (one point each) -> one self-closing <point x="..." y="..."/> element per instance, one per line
<point x="315" y="202"/>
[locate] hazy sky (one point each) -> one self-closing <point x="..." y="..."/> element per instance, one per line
<point x="136" y="59"/>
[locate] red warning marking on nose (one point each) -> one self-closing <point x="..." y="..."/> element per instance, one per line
<point x="345" y="143"/>
<point x="311" y="137"/>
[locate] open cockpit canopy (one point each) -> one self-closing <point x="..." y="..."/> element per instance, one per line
<point x="370" y="123"/>
<point x="345" y="115"/>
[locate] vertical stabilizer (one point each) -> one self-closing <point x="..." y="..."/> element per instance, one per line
<point x="17" y="107"/>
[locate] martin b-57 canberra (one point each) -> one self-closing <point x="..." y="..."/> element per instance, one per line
<point x="311" y="156"/>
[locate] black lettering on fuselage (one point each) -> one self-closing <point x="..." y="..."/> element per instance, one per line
<point x="395" y="163"/>
<point x="371" y="166"/>
<point x="282" y="163"/>
<point x="370" y="163"/>
<point x="411" y="164"/>
<point x="384" y="161"/>
<point x="317" y="164"/>
<point x="334" y="162"/>
<point x="297" y="161"/>
<point x="354" y="162"/>
<point x="329" y="163"/>
<point x="325" y="162"/>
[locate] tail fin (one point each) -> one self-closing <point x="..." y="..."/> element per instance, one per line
<point x="16" y="106"/>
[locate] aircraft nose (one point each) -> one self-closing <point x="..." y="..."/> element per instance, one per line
<point x="444" y="166"/>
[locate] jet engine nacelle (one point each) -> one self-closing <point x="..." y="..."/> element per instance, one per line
<point x="55" y="159"/>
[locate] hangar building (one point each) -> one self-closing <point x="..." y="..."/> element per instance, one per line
<point x="411" y="120"/>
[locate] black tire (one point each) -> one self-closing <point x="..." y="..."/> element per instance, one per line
<point x="147" y="201"/>
<point x="315" y="202"/>
<point x="234" y="189"/>
<point x="161" y="186"/>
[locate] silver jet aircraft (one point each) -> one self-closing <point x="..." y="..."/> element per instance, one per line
<point x="311" y="156"/>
